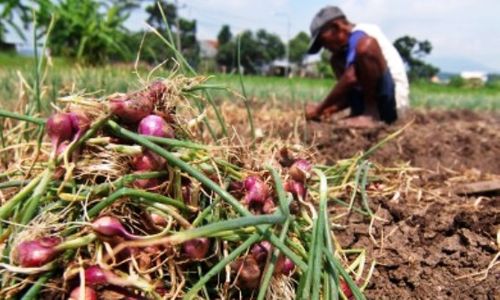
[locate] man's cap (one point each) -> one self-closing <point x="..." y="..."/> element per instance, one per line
<point x="325" y="15"/>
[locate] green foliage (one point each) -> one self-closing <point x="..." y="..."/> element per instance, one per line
<point x="412" y="52"/>
<point x="10" y="8"/>
<point x="90" y="31"/>
<point x="183" y="31"/>
<point x="298" y="47"/>
<point x="324" y="68"/>
<point x="225" y="35"/>
<point x="457" y="81"/>
<point x="257" y="50"/>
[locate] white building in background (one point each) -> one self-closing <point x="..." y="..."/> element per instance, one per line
<point x="475" y="76"/>
<point x="208" y="49"/>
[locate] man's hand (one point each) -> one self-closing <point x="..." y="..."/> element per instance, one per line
<point x="312" y="112"/>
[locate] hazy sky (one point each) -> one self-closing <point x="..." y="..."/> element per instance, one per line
<point x="465" y="33"/>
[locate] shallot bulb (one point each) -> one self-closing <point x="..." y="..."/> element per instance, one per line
<point x="249" y="272"/>
<point x="79" y="122"/>
<point x="196" y="249"/>
<point x="62" y="147"/>
<point x="344" y="287"/>
<point x="300" y="170"/>
<point x="284" y="265"/>
<point x="109" y="226"/>
<point x="256" y="190"/>
<point x="268" y="207"/>
<point x="146" y="184"/>
<point x="88" y="293"/>
<point x="261" y="251"/>
<point x="297" y="189"/>
<point x="156" y="91"/>
<point x="158" y="220"/>
<point x="36" y="253"/>
<point x="95" y="276"/>
<point x="147" y="161"/>
<point x="131" y="109"/>
<point x="59" y="128"/>
<point x="154" y="125"/>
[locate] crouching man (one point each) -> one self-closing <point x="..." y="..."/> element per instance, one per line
<point x="371" y="76"/>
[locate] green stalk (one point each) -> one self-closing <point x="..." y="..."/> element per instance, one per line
<point x="245" y="96"/>
<point x="327" y="288"/>
<point x="266" y="279"/>
<point x="128" y="192"/>
<point x="365" y="166"/>
<point x="32" y="293"/>
<point x="36" y="71"/>
<point x="27" y="118"/>
<point x="336" y="265"/>
<point x="105" y="188"/>
<point x="13" y="183"/>
<point x="38" y="193"/>
<point x="192" y="293"/>
<point x="306" y="278"/>
<point x="192" y="72"/>
<point x="318" y="257"/>
<point x="332" y="281"/>
<point x="284" y="204"/>
<point x="384" y="141"/>
<point x="201" y="216"/>
<point x="174" y="161"/>
<point x="206" y="231"/>
<point x="8" y="206"/>
<point x="92" y="131"/>
<point x="77" y="242"/>
<point x="356" y="186"/>
<point x="177" y="143"/>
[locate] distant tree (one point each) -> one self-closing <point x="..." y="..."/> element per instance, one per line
<point x="256" y="50"/>
<point x="183" y="30"/>
<point x="412" y="52"/>
<point x="259" y="49"/>
<point x="226" y="55"/>
<point x="8" y="10"/>
<point x="298" y="47"/>
<point x="226" y="51"/>
<point x="224" y="36"/>
<point x="90" y="31"/>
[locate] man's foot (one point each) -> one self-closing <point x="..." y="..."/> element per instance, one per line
<point x="360" y="122"/>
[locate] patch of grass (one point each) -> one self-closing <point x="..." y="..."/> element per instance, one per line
<point x="65" y="77"/>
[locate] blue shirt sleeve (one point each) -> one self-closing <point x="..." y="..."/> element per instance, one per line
<point x="352" y="44"/>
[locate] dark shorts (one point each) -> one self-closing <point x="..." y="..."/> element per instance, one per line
<point x="386" y="101"/>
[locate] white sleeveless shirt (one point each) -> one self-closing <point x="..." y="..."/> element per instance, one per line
<point x="394" y="62"/>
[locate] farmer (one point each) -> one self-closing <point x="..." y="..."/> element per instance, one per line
<point x="371" y="75"/>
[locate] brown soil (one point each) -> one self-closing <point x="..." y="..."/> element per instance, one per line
<point x="430" y="241"/>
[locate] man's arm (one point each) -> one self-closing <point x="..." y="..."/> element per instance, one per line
<point x="337" y="98"/>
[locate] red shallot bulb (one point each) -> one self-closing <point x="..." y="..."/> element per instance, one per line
<point x="300" y="170"/>
<point x="256" y="190"/>
<point x="260" y="251"/>
<point x="59" y="128"/>
<point x="36" y="253"/>
<point x="79" y="122"/>
<point x="110" y="226"/>
<point x="196" y="249"/>
<point x="284" y="265"/>
<point x="88" y="293"/>
<point x="297" y="189"/>
<point x="154" y="125"/>
<point x="131" y="109"/>
<point x="249" y="272"/>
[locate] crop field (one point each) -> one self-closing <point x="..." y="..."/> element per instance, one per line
<point x="134" y="184"/>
